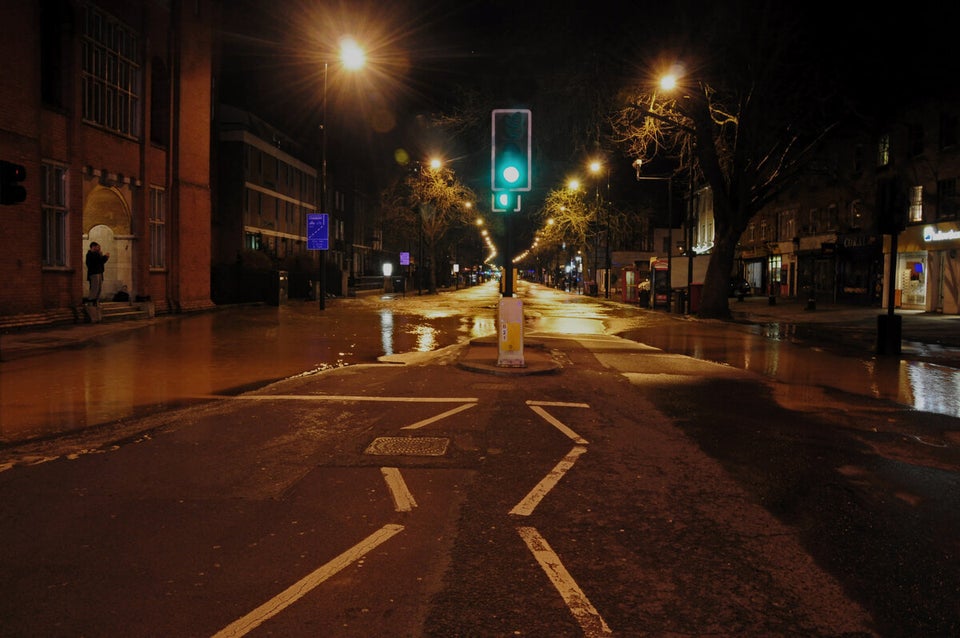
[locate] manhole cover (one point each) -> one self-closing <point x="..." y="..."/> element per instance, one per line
<point x="408" y="445"/>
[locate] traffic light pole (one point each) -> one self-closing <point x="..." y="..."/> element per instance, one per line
<point x="508" y="263"/>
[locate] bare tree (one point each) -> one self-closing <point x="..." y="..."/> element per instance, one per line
<point x="424" y="205"/>
<point x="743" y="124"/>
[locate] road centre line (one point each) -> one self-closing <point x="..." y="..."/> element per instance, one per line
<point x="303" y="586"/>
<point x="403" y="500"/>
<point x="557" y="424"/>
<point x="420" y="424"/>
<point x="559" y="404"/>
<point x="526" y="506"/>
<point x="583" y="611"/>
<point x="351" y="397"/>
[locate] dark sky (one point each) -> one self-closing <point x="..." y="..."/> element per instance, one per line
<point x="551" y="56"/>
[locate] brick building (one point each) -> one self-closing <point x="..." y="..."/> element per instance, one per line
<point x="108" y="105"/>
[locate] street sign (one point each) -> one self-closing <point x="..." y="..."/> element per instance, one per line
<point x="318" y="231"/>
<point x="404" y="259"/>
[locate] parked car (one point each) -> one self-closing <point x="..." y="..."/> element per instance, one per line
<point x="740" y="287"/>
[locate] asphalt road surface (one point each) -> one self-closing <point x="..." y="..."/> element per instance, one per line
<point x="631" y="492"/>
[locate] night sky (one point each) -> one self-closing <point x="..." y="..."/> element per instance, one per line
<point x="554" y="57"/>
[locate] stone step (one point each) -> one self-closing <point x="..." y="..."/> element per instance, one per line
<point x="111" y="311"/>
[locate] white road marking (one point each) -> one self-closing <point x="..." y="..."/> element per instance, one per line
<point x="403" y="500"/>
<point x="557" y="424"/>
<point x="547" y="483"/>
<point x="559" y="404"/>
<point x="302" y="587"/>
<point x="348" y="397"/>
<point x="420" y="424"/>
<point x="583" y="611"/>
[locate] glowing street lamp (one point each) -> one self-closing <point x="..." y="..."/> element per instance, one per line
<point x="352" y="58"/>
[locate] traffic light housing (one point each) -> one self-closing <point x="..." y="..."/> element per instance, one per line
<point x="510" y="150"/>
<point x="11" y="187"/>
<point x="506" y="202"/>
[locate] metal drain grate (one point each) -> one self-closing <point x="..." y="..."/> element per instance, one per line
<point x="408" y="446"/>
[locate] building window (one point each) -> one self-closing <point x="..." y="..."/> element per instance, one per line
<point x="949" y="133"/>
<point x="53" y="182"/>
<point x="158" y="228"/>
<point x="947" y="198"/>
<point x="159" y="103"/>
<point x="110" y="75"/>
<point x="915" y="139"/>
<point x="775" y="266"/>
<point x="883" y="150"/>
<point x="916" y="204"/>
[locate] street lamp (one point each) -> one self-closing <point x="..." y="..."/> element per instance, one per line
<point x="596" y="167"/>
<point x="637" y="164"/>
<point x="352" y="57"/>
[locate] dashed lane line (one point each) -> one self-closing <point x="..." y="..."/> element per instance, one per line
<point x="403" y="500"/>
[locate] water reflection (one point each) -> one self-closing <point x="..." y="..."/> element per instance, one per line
<point x="924" y="386"/>
<point x="935" y="388"/>
<point x="386" y="331"/>
<point x="184" y="358"/>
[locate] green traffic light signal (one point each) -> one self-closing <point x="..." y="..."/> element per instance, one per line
<point x="506" y="202"/>
<point x="510" y="150"/>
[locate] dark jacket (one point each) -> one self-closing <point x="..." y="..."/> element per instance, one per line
<point x="95" y="262"/>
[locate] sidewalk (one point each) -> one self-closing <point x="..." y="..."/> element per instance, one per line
<point x="840" y="322"/>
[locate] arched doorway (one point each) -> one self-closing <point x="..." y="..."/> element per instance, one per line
<point x="107" y="221"/>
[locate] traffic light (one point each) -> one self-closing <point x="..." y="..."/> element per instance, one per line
<point x="506" y="202"/>
<point x="510" y="150"/>
<point x="11" y="189"/>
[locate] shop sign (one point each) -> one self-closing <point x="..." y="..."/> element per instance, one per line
<point x="931" y="234"/>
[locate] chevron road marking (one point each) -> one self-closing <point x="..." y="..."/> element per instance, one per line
<point x="306" y="584"/>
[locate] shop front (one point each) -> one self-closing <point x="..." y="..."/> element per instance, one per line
<point x="928" y="268"/>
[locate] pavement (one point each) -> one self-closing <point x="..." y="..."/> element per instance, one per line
<point x="924" y="334"/>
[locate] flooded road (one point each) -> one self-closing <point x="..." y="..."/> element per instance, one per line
<point x="807" y="369"/>
<point x="180" y="359"/>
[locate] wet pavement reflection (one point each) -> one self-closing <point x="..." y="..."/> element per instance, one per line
<point x="181" y="359"/>
<point x="187" y="358"/>
<point x="807" y="369"/>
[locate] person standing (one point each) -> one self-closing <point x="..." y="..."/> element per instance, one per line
<point x="95" y="261"/>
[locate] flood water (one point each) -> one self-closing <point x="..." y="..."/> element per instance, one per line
<point x="808" y="369"/>
<point x="181" y="359"/>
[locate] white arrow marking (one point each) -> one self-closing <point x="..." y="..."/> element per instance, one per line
<point x="583" y="611"/>
<point x="303" y="586"/>
<point x="547" y="483"/>
<point x="559" y="404"/>
<point x="557" y="424"/>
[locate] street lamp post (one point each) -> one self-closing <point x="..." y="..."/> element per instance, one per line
<point x="595" y="168"/>
<point x="352" y="57"/>
<point x="637" y="163"/>
<point x="323" y="188"/>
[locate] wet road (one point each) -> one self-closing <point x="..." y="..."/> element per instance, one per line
<point x="698" y="499"/>
<point x="177" y="360"/>
<point x="182" y="359"/>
